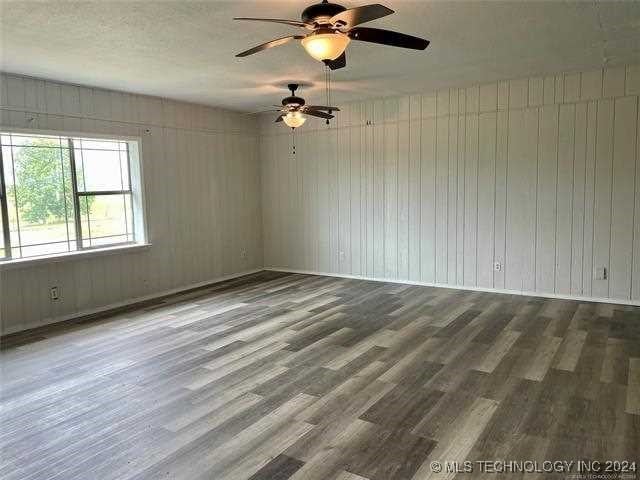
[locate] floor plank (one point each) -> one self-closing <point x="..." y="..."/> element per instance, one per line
<point x="288" y="376"/>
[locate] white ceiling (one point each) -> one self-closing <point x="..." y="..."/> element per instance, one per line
<point x="185" y="50"/>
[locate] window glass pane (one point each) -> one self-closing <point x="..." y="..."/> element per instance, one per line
<point x="3" y="251"/>
<point x="106" y="219"/>
<point x="40" y="200"/>
<point x="124" y="170"/>
<point x="12" y="210"/>
<point x="101" y="170"/>
<point x="32" y="141"/>
<point x="92" y="144"/>
<point x="2" y="248"/>
<point x="39" y="196"/>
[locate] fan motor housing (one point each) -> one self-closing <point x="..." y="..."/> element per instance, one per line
<point x="321" y="12"/>
<point x="293" y="101"/>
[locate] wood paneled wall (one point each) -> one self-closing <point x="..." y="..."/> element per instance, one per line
<point x="202" y="185"/>
<point x="538" y="174"/>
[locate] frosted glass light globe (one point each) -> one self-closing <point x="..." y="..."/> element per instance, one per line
<point x="325" y="46"/>
<point x="294" y="119"/>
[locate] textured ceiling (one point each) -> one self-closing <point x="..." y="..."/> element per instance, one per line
<point x="185" y="50"/>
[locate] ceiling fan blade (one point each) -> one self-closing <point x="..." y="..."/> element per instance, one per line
<point x="279" y="119"/>
<point x="339" y="62"/>
<point x="273" y="43"/>
<point x="320" y="107"/>
<point x="356" y="16"/>
<point x="293" y="23"/>
<point x="314" y="113"/>
<point x="261" y="111"/>
<point x="387" y="37"/>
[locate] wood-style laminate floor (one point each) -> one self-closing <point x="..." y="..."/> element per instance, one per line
<point x="279" y="376"/>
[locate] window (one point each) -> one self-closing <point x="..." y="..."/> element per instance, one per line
<point x="61" y="194"/>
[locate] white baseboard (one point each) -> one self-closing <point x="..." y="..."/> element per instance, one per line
<point x="130" y="301"/>
<point x="614" y="301"/>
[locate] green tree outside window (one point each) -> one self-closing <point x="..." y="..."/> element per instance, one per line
<point x="43" y="189"/>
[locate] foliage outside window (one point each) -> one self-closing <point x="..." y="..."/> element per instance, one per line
<point x="61" y="194"/>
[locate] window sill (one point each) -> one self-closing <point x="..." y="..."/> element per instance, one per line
<point x="78" y="255"/>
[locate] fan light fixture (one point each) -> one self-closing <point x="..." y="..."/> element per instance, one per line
<point x="325" y="46"/>
<point x="294" y="119"/>
<point x="330" y="27"/>
<point x="294" y="110"/>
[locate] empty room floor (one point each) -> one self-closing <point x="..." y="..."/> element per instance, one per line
<point x="278" y="376"/>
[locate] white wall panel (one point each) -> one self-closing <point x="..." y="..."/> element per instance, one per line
<point x="369" y="199"/>
<point x="536" y="174"/>
<point x="521" y="200"/>
<point x="458" y="239"/>
<point x="546" y="211"/>
<point x="602" y="196"/>
<point x="442" y="187"/>
<point x="564" y="198"/>
<point x="500" y="220"/>
<point x="452" y="191"/>
<point x="486" y="198"/>
<point x="623" y="201"/>
<point x="403" y="147"/>
<point x="344" y="186"/>
<point x="635" y="264"/>
<point x="632" y="80"/>
<point x="202" y="188"/>
<point x="579" y="195"/>
<point x="571" y="87"/>
<point x="379" y="172"/>
<point x="471" y="200"/>
<point x="518" y="93"/>
<point x="390" y="188"/>
<point x="414" y="218"/>
<point x="591" y="85"/>
<point x="613" y="82"/>
<point x="589" y="199"/>
<point x="559" y="89"/>
<point x="428" y="199"/>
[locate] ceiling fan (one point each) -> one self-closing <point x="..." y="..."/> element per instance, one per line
<point x="332" y="27"/>
<point x="294" y="109"/>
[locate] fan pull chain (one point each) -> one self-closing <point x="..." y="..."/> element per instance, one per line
<point x="293" y="141"/>
<point x="327" y="83"/>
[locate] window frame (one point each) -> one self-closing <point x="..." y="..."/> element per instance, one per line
<point x="138" y="222"/>
<point x="4" y="214"/>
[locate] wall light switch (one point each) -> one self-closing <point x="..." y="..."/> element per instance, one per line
<point x="600" y="273"/>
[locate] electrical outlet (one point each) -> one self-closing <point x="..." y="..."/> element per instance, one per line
<point x="54" y="294"/>
<point x="497" y="266"/>
<point x="243" y="253"/>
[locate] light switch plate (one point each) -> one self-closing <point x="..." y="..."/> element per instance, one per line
<point x="600" y="273"/>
